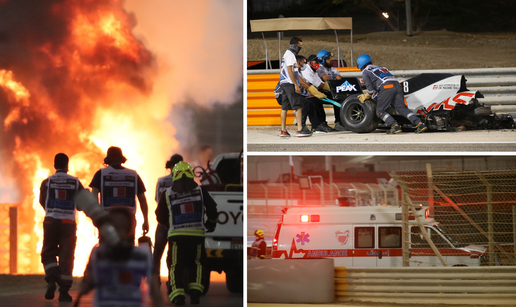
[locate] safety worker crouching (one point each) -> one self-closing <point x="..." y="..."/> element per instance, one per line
<point x="182" y="210"/>
<point x="59" y="228"/>
<point x="379" y="80"/>
<point x="259" y="246"/>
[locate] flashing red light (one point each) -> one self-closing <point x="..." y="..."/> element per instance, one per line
<point x="315" y="218"/>
<point x="274" y="243"/>
<point x="305" y="218"/>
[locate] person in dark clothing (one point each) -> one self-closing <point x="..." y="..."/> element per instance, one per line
<point x="161" y="237"/>
<point x="59" y="228"/>
<point x="182" y="208"/>
<point x="379" y="80"/>
<point x="119" y="186"/>
<point x="259" y="247"/>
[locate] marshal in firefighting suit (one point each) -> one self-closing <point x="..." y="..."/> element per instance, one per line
<point x="59" y="228"/>
<point x="182" y="208"/>
<point x="259" y="247"/>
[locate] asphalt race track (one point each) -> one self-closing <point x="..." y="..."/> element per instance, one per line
<point x="217" y="296"/>
<point x="267" y="139"/>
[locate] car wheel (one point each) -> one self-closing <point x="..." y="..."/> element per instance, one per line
<point x="235" y="280"/>
<point x="357" y="116"/>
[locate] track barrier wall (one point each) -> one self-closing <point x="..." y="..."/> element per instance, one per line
<point x="498" y="85"/>
<point x="290" y="281"/>
<point x="427" y="285"/>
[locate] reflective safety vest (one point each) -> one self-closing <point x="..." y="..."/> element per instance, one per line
<point x="186" y="213"/>
<point x="118" y="187"/>
<point x="256" y="252"/>
<point x="117" y="283"/>
<point x="164" y="183"/>
<point x="61" y="189"/>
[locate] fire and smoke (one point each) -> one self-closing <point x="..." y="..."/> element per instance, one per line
<point x="75" y="79"/>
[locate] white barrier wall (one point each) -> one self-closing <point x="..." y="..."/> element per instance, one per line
<point x="290" y="281"/>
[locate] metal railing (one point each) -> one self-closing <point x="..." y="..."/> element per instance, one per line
<point x="267" y="200"/>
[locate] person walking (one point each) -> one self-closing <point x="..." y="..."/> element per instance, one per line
<point x="379" y="80"/>
<point x="120" y="186"/>
<point x="161" y="236"/>
<point x="59" y="228"/>
<point x="182" y="208"/>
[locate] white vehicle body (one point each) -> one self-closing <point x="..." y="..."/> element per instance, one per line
<point x="362" y="237"/>
<point x="224" y="246"/>
<point x="229" y="232"/>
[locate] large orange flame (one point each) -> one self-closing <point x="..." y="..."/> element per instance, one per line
<point x="87" y="89"/>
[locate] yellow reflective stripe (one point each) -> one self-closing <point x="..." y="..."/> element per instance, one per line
<point x="196" y="286"/>
<point x="172" y="268"/>
<point x="186" y="232"/>
<point x="175" y="293"/>
<point x="199" y="265"/>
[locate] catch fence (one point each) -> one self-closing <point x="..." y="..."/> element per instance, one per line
<point x="475" y="212"/>
<point x="471" y="217"/>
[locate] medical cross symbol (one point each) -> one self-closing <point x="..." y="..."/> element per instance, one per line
<point x="345" y="87"/>
<point x="302" y="238"/>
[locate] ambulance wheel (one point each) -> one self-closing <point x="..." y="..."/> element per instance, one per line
<point x="359" y="117"/>
<point x="235" y="280"/>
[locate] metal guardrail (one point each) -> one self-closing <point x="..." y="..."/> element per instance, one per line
<point x="498" y="85"/>
<point x="431" y="285"/>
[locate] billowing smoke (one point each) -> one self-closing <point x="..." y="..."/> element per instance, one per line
<point x="199" y="46"/>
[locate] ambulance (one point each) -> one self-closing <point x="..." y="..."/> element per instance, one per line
<point x="367" y="236"/>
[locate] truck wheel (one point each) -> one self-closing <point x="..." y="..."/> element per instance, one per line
<point x="235" y="281"/>
<point x="357" y="116"/>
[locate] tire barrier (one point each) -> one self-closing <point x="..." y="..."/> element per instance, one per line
<point x="290" y="281"/>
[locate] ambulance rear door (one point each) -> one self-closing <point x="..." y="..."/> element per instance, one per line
<point x="377" y="246"/>
<point x="389" y="252"/>
<point x="364" y="241"/>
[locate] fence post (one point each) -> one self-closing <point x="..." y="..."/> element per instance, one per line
<point x="430" y="189"/>
<point x="405" y="230"/>
<point x="490" y="230"/>
<point x="424" y="232"/>
<point x="13" y="240"/>
<point x="514" y="231"/>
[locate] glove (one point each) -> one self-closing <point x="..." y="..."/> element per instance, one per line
<point x="364" y="97"/>
<point x="312" y="90"/>
<point x="210" y="225"/>
<point x="326" y="86"/>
